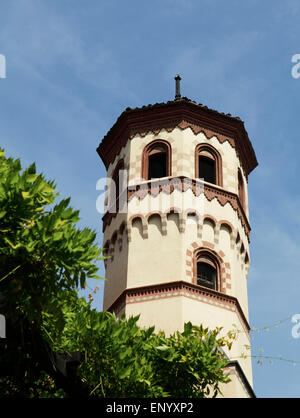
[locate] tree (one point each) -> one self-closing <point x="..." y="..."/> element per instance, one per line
<point x="56" y="344"/>
<point x="41" y="253"/>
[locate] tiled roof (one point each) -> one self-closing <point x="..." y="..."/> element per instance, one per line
<point x="145" y="118"/>
<point x="169" y="103"/>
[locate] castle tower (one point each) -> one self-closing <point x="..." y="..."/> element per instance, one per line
<point x="178" y="234"/>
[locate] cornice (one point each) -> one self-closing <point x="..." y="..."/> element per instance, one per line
<point x="179" y="288"/>
<point x="183" y="113"/>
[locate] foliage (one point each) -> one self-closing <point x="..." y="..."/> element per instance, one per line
<point x="120" y="359"/>
<point x="42" y="252"/>
<point x="43" y="386"/>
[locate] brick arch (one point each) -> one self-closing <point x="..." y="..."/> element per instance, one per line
<point x="179" y="219"/>
<point x="225" y="268"/>
<point x="214" y="225"/>
<point x="163" y="220"/>
<point x="211" y="218"/>
<point x="215" y="156"/>
<point x="232" y="233"/>
<point x="136" y="216"/>
<point x="155" y="212"/>
<point x="136" y="160"/>
<point x="227" y="223"/>
<point x="145" y="156"/>
<point x="144" y="225"/>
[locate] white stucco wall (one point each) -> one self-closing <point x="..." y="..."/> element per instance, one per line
<point x="154" y="248"/>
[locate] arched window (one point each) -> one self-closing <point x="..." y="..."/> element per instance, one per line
<point x="156" y="160"/>
<point x="241" y="189"/>
<point x="207" y="270"/>
<point x="208" y="164"/>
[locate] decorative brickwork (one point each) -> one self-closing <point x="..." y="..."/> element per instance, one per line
<point x="225" y="273"/>
<point x="178" y="289"/>
<point x="182" y="183"/>
<point x="125" y="232"/>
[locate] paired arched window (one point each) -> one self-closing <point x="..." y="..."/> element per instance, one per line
<point x="156" y="160"/>
<point x="208" y="164"/>
<point x="206" y="270"/>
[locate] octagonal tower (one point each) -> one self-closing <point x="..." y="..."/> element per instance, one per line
<point x="177" y="234"/>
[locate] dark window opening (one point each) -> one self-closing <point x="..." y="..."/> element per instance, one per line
<point x="241" y="190"/>
<point x="207" y="169"/>
<point x="157" y="165"/>
<point x="118" y="185"/>
<point x="206" y="275"/>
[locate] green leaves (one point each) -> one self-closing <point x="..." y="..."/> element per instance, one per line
<point x="126" y="372"/>
<point x="187" y="329"/>
<point x="130" y="361"/>
<point x="41" y="249"/>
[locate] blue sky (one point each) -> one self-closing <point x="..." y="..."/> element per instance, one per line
<point x="72" y="66"/>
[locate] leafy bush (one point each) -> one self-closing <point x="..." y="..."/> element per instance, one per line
<point x="120" y="359"/>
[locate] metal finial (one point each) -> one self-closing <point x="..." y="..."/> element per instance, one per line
<point x="177" y="79"/>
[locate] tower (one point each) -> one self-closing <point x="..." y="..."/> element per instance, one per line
<point x="176" y="224"/>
